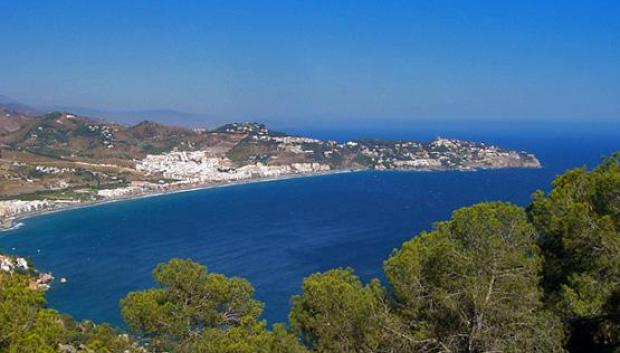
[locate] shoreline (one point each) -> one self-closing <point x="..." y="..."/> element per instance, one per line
<point x="17" y="221"/>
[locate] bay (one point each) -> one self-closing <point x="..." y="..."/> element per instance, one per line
<point x="272" y="233"/>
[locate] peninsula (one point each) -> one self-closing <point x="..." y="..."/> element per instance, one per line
<point x="57" y="160"/>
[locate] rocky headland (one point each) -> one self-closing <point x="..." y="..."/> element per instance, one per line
<point x="59" y="160"/>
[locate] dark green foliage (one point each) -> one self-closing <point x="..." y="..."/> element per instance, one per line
<point x="579" y="223"/>
<point x="197" y="311"/>
<point x="82" y="130"/>
<point x="62" y="194"/>
<point x="250" y="151"/>
<point x="337" y="314"/>
<point x="190" y="300"/>
<point x="150" y="149"/>
<point x="472" y="285"/>
<point x="26" y="325"/>
<point x="363" y="160"/>
<point x="45" y="151"/>
<point x="253" y="338"/>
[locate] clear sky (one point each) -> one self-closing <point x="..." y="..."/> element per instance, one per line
<point x="318" y="61"/>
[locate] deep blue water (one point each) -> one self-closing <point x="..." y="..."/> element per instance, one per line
<point x="274" y="233"/>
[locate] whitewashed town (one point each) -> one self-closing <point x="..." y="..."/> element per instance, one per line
<point x="44" y="172"/>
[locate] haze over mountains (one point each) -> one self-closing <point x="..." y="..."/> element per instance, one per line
<point x="67" y="155"/>
<point x="164" y="116"/>
<point x="12" y="104"/>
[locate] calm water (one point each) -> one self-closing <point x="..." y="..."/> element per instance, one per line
<point x="275" y="233"/>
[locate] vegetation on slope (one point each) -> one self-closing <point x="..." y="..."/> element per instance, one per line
<point x="197" y="311"/>
<point x="60" y="150"/>
<point x="493" y="278"/>
<point x="579" y="227"/>
<point x="26" y="325"/>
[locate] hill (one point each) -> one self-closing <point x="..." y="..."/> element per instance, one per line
<point x="66" y="156"/>
<point x="163" y="116"/>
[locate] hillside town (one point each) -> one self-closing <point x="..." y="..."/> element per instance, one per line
<point x="198" y="167"/>
<point x="60" y="160"/>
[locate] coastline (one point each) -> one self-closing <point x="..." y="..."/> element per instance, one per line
<point x="17" y="221"/>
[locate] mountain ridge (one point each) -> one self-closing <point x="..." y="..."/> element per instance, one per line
<point x="129" y="117"/>
<point x="64" y="155"/>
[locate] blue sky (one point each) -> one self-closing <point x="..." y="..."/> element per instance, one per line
<point x="316" y="62"/>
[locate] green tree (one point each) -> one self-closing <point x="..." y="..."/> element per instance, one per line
<point x="472" y="285"/>
<point x="26" y="325"/>
<point x="197" y="311"/>
<point x="337" y="314"/>
<point x="579" y="224"/>
<point x="249" y="339"/>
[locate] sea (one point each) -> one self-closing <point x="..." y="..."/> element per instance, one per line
<point x="276" y="233"/>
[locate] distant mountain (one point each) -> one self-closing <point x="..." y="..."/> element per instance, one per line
<point x="13" y="116"/>
<point x="11" y="105"/>
<point x="6" y="100"/>
<point x="128" y="117"/>
<point x="63" y="136"/>
<point x="163" y="116"/>
<point x="62" y="151"/>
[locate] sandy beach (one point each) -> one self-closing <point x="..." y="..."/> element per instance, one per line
<point x="17" y="219"/>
